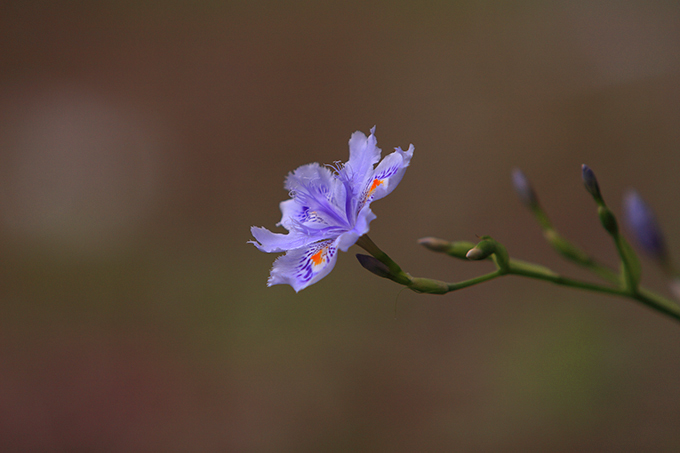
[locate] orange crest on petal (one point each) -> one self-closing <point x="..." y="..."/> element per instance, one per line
<point x="374" y="185"/>
<point x="318" y="257"/>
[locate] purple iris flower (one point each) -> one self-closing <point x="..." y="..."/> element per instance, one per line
<point x="329" y="210"/>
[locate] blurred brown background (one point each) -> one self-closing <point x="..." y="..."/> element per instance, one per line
<point x="139" y="141"/>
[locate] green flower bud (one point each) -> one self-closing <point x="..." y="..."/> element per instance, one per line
<point x="565" y="248"/>
<point x="456" y="249"/>
<point x="608" y="220"/>
<point x="488" y="247"/>
<point x="459" y="249"/>
<point x="481" y="251"/>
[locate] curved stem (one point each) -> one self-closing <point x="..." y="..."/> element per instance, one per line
<point x="520" y="268"/>
<point x="602" y="271"/>
<point x="418" y="284"/>
<point x="523" y="269"/>
<point x="658" y="303"/>
<point x="652" y="300"/>
<point x="474" y="281"/>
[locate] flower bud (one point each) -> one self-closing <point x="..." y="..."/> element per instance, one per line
<point x="564" y="247"/>
<point x="608" y="220"/>
<point x="481" y="251"/>
<point x="642" y="222"/>
<point x="457" y="249"/>
<point x="523" y="189"/>
<point x="489" y="248"/>
<point x="374" y="265"/>
<point x="434" y="244"/>
<point x="590" y="181"/>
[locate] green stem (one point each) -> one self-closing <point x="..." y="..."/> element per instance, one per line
<point x="523" y="269"/>
<point x="629" y="263"/>
<point x="652" y="300"/>
<point x="658" y="303"/>
<point x="520" y="268"/>
<point x="418" y="284"/>
<point x="602" y="271"/>
<point x="474" y="281"/>
<point x="578" y="256"/>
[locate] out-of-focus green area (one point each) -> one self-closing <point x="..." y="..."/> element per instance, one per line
<point x="139" y="141"/>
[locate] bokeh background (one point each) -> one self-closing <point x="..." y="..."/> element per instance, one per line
<point x="140" y="140"/>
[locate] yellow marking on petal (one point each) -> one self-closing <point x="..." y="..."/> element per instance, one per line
<point x="317" y="258"/>
<point x="374" y="185"/>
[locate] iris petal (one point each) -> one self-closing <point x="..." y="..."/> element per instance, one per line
<point x="390" y="171"/>
<point x="296" y="216"/>
<point x="316" y="189"/>
<point x="363" y="155"/>
<point x="269" y="242"/>
<point x="305" y="266"/>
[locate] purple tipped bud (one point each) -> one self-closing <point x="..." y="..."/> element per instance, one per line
<point x="374" y="265"/>
<point x="523" y="188"/>
<point x="642" y="222"/>
<point x="590" y="181"/>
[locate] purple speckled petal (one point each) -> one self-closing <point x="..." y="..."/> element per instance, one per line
<point x="305" y="266"/>
<point x="363" y="155"/>
<point x="319" y="193"/>
<point x="269" y="242"/>
<point x="390" y="171"/>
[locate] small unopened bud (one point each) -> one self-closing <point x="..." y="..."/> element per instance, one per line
<point x="642" y="222"/>
<point x="565" y="247"/>
<point x="523" y="189"/>
<point x="434" y="244"/>
<point x="481" y="251"/>
<point x="608" y="220"/>
<point x="374" y="265"/>
<point x="489" y="248"/>
<point x="459" y="249"/>
<point x="590" y="181"/>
